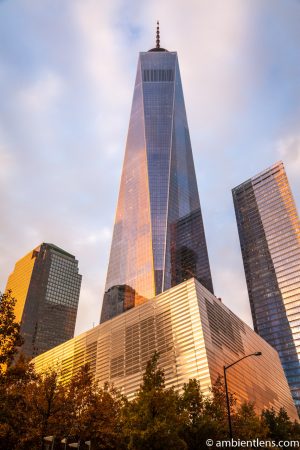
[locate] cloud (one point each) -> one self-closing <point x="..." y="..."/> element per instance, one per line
<point x="7" y="163"/>
<point x="39" y="97"/>
<point x="289" y="150"/>
<point x="102" y="236"/>
<point x="68" y="72"/>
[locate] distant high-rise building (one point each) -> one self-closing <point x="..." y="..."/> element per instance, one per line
<point x="158" y="239"/>
<point x="46" y="285"/>
<point x="269" y="230"/>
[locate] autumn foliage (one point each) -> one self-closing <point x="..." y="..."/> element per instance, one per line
<point x="33" y="406"/>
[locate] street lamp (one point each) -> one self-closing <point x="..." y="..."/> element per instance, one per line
<point x="226" y="388"/>
<point x="77" y="444"/>
<point x="64" y="441"/>
<point x="50" y="439"/>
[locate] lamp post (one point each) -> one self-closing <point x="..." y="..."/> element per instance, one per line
<point x="50" y="439"/>
<point x="226" y="387"/>
<point x="64" y="441"/>
<point x="77" y="444"/>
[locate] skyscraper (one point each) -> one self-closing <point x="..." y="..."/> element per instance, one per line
<point x="158" y="256"/>
<point x="46" y="284"/>
<point x="269" y="231"/>
<point x="158" y="239"/>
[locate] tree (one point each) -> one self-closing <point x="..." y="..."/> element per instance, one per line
<point x="79" y="396"/>
<point x="14" y="403"/>
<point x="198" y="425"/>
<point x="280" y="426"/>
<point x="10" y="338"/>
<point x="37" y="405"/>
<point x="152" y="419"/>
<point x="92" y="412"/>
<point x="45" y="399"/>
<point x="216" y="408"/>
<point x="103" y="418"/>
<point x="247" y="424"/>
<point x="192" y="401"/>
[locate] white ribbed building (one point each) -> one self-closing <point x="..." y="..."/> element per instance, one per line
<point x="195" y="334"/>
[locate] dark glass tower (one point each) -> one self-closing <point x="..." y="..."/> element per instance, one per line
<point x="158" y="239"/>
<point x="46" y="284"/>
<point x="269" y="230"/>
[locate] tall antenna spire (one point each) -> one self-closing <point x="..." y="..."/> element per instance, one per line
<point x="157" y="36"/>
<point x="157" y="48"/>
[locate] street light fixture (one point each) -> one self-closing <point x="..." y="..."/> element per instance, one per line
<point x="226" y="388"/>
<point x="50" y="439"/>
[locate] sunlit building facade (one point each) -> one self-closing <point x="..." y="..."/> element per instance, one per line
<point x="158" y="239"/>
<point x="269" y="231"/>
<point x="46" y="285"/>
<point x="195" y="335"/>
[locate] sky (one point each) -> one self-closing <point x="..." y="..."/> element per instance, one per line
<point x="67" y="72"/>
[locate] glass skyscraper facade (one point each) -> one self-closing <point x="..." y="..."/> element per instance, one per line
<point x="158" y="293"/>
<point x="195" y="335"/>
<point x="158" y="239"/>
<point x="269" y="231"/>
<point x="46" y="285"/>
